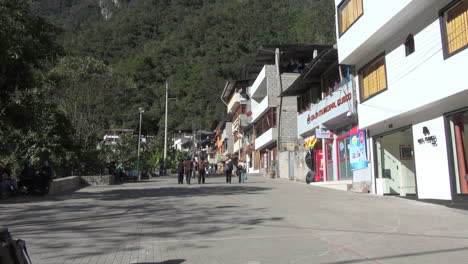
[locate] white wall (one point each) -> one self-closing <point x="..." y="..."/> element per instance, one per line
<point x="376" y="15"/>
<point x="432" y="165"/>
<point x="381" y="25"/>
<point x="259" y="108"/>
<point x="415" y="81"/>
<point x="266" y="138"/>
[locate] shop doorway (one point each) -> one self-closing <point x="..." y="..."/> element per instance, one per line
<point x="396" y="169"/>
<point x="459" y="135"/>
<point x="338" y="166"/>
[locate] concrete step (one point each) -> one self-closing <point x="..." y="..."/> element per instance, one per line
<point x="336" y="185"/>
<point x="255" y="174"/>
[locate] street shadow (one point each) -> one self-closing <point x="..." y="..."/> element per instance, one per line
<point x="415" y="254"/>
<point x="457" y="203"/>
<point x="172" y="261"/>
<point x="97" y="221"/>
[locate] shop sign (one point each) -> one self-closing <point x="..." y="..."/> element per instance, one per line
<point x="428" y="138"/>
<point x="323" y="133"/>
<point x="357" y="150"/>
<point x="310" y="142"/>
<point x="329" y="108"/>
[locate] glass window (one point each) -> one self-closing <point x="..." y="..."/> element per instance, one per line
<point x="348" y="12"/>
<point x="330" y="159"/>
<point x="343" y="153"/>
<point x="373" y="79"/>
<point x="456" y="27"/>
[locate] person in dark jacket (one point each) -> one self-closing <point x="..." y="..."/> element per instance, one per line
<point x="202" y="171"/>
<point x="188" y="166"/>
<point x="228" y="170"/>
<point x="180" y="172"/>
<point x="27" y="178"/>
<point x="46" y="175"/>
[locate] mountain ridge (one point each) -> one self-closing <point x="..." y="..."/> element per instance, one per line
<point x="195" y="45"/>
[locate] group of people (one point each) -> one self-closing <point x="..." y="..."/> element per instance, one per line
<point x="29" y="181"/>
<point x="190" y="167"/>
<point x="230" y="168"/>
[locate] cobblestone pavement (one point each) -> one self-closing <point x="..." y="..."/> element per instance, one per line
<point x="260" y="222"/>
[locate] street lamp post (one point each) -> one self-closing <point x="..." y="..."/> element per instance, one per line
<point x="141" y="110"/>
<point x="165" y="126"/>
<point x="165" y="131"/>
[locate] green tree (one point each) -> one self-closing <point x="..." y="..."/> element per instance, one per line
<point x="90" y="95"/>
<point x="27" y="43"/>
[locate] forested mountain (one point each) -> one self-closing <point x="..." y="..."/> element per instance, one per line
<point x="194" y="44"/>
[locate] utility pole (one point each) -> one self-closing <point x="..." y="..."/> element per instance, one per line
<point x="280" y="82"/>
<point x="141" y="110"/>
<point x="239" y="129"/>
<point x="165" y="130"/>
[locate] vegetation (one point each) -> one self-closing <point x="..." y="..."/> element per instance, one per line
<point x="67" y="73"/>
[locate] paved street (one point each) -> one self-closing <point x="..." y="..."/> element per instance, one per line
<point x="261" y="222"/>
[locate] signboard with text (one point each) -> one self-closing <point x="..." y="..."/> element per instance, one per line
<point x="357" y="150"/>
<point x="323" y="133"/>
<point x="336" y="105"/>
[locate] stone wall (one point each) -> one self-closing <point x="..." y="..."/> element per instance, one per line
<point x="65" y="185"/>
<point x="98" y="180"/>
<point x="73" y="183"/>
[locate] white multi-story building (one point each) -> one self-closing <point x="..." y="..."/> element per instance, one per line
<point x="411" y="61"/>
<point x="236" y="97"/>
<point x="182" y="141"/>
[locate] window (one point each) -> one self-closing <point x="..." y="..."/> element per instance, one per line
<point x="373" y="79"/>
<point x="266" y="122"/>
<point x="455" y="20"/>
<point x="409" y="45"/>
<point x="348" y="12"/>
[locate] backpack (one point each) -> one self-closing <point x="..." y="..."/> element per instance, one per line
<point x="12" y="251"/>
<point x="228" y="167"/>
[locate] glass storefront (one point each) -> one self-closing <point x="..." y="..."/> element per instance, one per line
<point x="329" y="161"/>
<point x="396" y="168"/>
<point x="343" y="153"/>
<point x="337" y="159"/>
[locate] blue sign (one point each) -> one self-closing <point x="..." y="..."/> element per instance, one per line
<point x="357" y="150"/>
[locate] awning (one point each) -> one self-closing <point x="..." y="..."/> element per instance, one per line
<point x="250" y="146"/>
<point x="312" y="73"/>
<point x="266" y="54"/>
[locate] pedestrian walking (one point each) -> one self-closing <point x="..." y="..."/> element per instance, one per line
<point x="241" y="171"/>
<point x="228" y="170"/>
<point x="202" y="170"/>
<point x="188" y="166"/>
<point x="180" y="172"/>
<point x="46" y="175"/>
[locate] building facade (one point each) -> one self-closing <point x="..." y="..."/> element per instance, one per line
<point x="326" y="122"/>
<point x="410" y="57"/>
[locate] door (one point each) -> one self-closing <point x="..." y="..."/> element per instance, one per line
<point x="395" y="163"/>
<point x="292" y="159"/>
<point x="459" y="132"/>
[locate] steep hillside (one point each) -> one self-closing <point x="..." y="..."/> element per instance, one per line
<point x="194" y="44"/>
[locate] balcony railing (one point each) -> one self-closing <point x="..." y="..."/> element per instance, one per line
<point x="266" y="122"/>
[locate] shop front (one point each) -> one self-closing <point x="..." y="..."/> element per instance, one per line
<point x="333" y="122"/>
<point x="395" y="163"/>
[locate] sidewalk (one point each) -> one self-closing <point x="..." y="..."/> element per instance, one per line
<point x="262" y="221"/>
